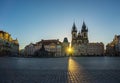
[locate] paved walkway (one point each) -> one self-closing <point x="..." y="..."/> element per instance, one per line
<point x="60" y="70"/>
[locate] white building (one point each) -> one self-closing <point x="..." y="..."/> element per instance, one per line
<point x="30" y="49"/>
<point x="54" y="46"/>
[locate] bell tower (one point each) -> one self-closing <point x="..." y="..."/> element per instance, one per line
<point x="74" y="34"/>
<point x="84" y="33"/>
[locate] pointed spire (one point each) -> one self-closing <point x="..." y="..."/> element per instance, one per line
<point x="74" y="29"/>
<point x="84" y="28"/>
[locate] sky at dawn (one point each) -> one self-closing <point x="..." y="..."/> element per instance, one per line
<point x="33" y="20"/>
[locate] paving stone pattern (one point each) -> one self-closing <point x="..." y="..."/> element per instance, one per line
<point x="60" y="70"/>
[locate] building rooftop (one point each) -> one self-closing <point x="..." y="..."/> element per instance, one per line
<point x="47" y="42"/>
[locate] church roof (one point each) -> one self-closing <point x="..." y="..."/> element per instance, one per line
<point x="47" y="42"/>
<point x="1" y="31"/>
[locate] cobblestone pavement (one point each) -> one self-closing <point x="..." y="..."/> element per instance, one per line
<point x="60" y="70"/>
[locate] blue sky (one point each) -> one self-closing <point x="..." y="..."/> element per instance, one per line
<point x="33" y="20"/>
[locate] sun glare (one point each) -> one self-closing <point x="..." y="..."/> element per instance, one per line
<point x="70" y="50"/>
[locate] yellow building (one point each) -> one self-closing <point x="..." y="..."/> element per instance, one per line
<point x="8" y="46"/>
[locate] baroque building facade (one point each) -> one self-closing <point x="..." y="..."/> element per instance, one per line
<point x="113" y="48"/>
<point x="80" y="43"/>
<point x="8" y="46"/>
<point x="52" y="46"/>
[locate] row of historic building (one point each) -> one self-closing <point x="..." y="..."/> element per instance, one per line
<point x="80" y="45"/>
<point x="8" y="46"/>
<point x="54" y="46"/>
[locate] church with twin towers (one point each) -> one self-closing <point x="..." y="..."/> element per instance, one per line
<point x="80" y="42"/>
<point x="79" y="37"/>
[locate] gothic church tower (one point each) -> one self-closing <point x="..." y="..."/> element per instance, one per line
<point x="74" y="34"/>
<point x="81" y="37"/>
<point x="84" y="33"/>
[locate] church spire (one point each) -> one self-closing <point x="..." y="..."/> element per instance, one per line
<point x="84" y="28"/>
<point x="74" y="29"/>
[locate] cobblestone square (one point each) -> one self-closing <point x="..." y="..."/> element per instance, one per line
<point x="60" y="70"/>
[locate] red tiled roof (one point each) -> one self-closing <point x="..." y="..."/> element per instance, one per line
<point x="47" y="42"/>
<point x="2" y="31"/>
